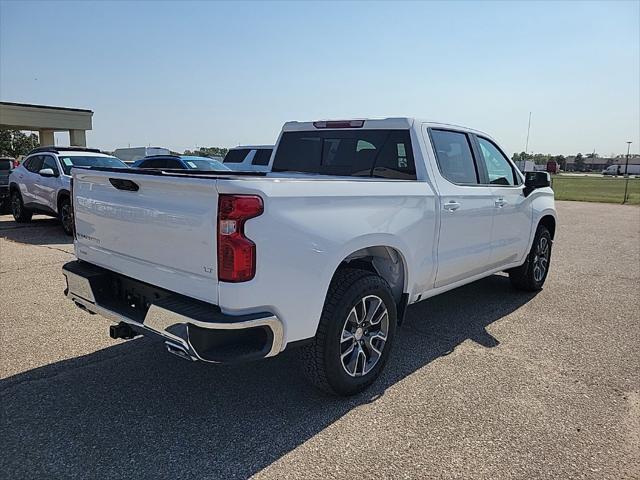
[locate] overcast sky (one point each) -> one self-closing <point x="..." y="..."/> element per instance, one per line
<point x="218" y="74"/>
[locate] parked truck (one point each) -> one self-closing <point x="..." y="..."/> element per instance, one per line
<point x="356" y="220"/>
<point x="622" y="169"/>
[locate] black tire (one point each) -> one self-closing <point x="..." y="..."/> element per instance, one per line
<point x="21" y="214"/>
<point x="65" y="215"/>
<point x="322" y="359"/>
<point x="529" y="277"/>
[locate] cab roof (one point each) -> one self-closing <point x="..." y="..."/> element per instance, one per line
<point x="371" y="124"/>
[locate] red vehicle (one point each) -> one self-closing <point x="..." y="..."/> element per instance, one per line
<point x="552" y="166"/>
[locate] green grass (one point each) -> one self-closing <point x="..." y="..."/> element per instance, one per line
<point x="595" y="189"/>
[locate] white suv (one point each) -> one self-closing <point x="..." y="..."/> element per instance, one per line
<point x="41" y="184"/>
<point x="249" y="158"/>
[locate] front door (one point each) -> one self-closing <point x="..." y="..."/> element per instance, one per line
<point x="467" y="209"/>
<point x="512" y="220"/>
<point x="46" y="188"/>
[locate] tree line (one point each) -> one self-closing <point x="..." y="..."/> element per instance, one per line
<point x="207" y="152"/>
<point x="542" y="159"/>
<point x="14" y="143"/>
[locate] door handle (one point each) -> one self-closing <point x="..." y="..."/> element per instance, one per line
<point x="500" y="202"/>
<point x="451" y="206"/>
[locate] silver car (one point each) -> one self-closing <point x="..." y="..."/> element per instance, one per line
<point x="41" y="184"/>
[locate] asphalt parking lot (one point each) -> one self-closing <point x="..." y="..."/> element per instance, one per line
<point x="485" y="382"/>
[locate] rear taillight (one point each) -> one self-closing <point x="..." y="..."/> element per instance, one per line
<point x="236" y="253"/>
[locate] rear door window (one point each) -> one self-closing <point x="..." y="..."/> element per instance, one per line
<point x="34" y="164"/>
<point x="360" y="153"/>
<point x="262" y="157"/>
<point x="454" y="157"/>
<point x="174" y="164"/>
<point x="154" y="163"/>
<point x="236" y="156"/>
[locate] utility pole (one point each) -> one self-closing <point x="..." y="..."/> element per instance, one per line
<point x="626" y="174"/>
<point x="526" y="147"/>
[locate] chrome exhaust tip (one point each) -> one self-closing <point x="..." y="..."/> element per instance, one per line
<point x="178" y="350"/>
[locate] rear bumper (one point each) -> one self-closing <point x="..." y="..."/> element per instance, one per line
<point x="191" y="328"/>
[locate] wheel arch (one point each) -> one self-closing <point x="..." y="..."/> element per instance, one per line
<point x="549" y="221"/>
<point x="62" y="194"/>
<point x="386" y="261"/>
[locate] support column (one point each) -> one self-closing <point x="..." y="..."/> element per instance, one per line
<point x="46" y="137"/>
<point x="77" y="138"/>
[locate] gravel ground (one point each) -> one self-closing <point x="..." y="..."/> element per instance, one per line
<point x="485" y="382"/>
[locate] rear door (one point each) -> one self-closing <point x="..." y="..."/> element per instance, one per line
<point x="467" y="208"/>
<point x="512" y="220"/>
<point x="159" y="229"/>
<point x="29" y="179"/>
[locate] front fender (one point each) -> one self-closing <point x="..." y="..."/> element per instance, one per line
<point x="542" y="205"/>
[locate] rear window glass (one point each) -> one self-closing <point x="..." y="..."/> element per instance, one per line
<point x="360" y="153"/>
<point x="5" y="164"/>
<point x="262" y="157"/>
<point x="236" y="156"/>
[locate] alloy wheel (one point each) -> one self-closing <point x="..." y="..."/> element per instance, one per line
<point x="364" y="335"/>
<point x="541" y="259"/>
<point x="66" y="217"/>
<point x="16" y="206"/>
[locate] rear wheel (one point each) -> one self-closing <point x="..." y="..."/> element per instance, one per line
<point x="21" y="214"/>
<point x="65" y="213"/>
<point x="532" y="274"/>
<point x="355" y="334"/>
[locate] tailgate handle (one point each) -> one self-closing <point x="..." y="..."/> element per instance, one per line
<point x="124" y="184"/>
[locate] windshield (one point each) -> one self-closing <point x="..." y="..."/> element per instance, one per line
<point x="78" y="161"/>
<point x="5" y="164"/>
<point x="204" y="164"/>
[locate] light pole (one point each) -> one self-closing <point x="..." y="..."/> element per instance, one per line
<point x="626" y="174"/>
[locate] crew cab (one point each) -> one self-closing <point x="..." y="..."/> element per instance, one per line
<point x="356" y="220"/>
<point x="41" y="183"/>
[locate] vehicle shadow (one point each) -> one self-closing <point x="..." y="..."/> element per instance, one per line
<point x="41" y="230"/>
<point x="133" y="410"/>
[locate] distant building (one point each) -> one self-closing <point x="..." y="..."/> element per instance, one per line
<point x="600" y="163"/>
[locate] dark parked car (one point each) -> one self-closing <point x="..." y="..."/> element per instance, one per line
<point x="181" y="162"/>
<point x="6" y="165"/>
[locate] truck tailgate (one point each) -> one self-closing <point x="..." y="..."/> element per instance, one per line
<point x="162" y="233"/>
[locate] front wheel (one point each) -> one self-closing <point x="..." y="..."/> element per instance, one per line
<point x="355" y="334"/>
<point x="66" y="216"/>
<point x="532" y="274"/>
<point x="20" y="213"/>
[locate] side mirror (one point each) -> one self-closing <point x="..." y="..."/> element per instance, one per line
<point x="47" y="172"/>
<point x="535" y="180"/>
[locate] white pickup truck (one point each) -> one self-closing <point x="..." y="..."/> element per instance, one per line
<point x="357" y="220"/>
